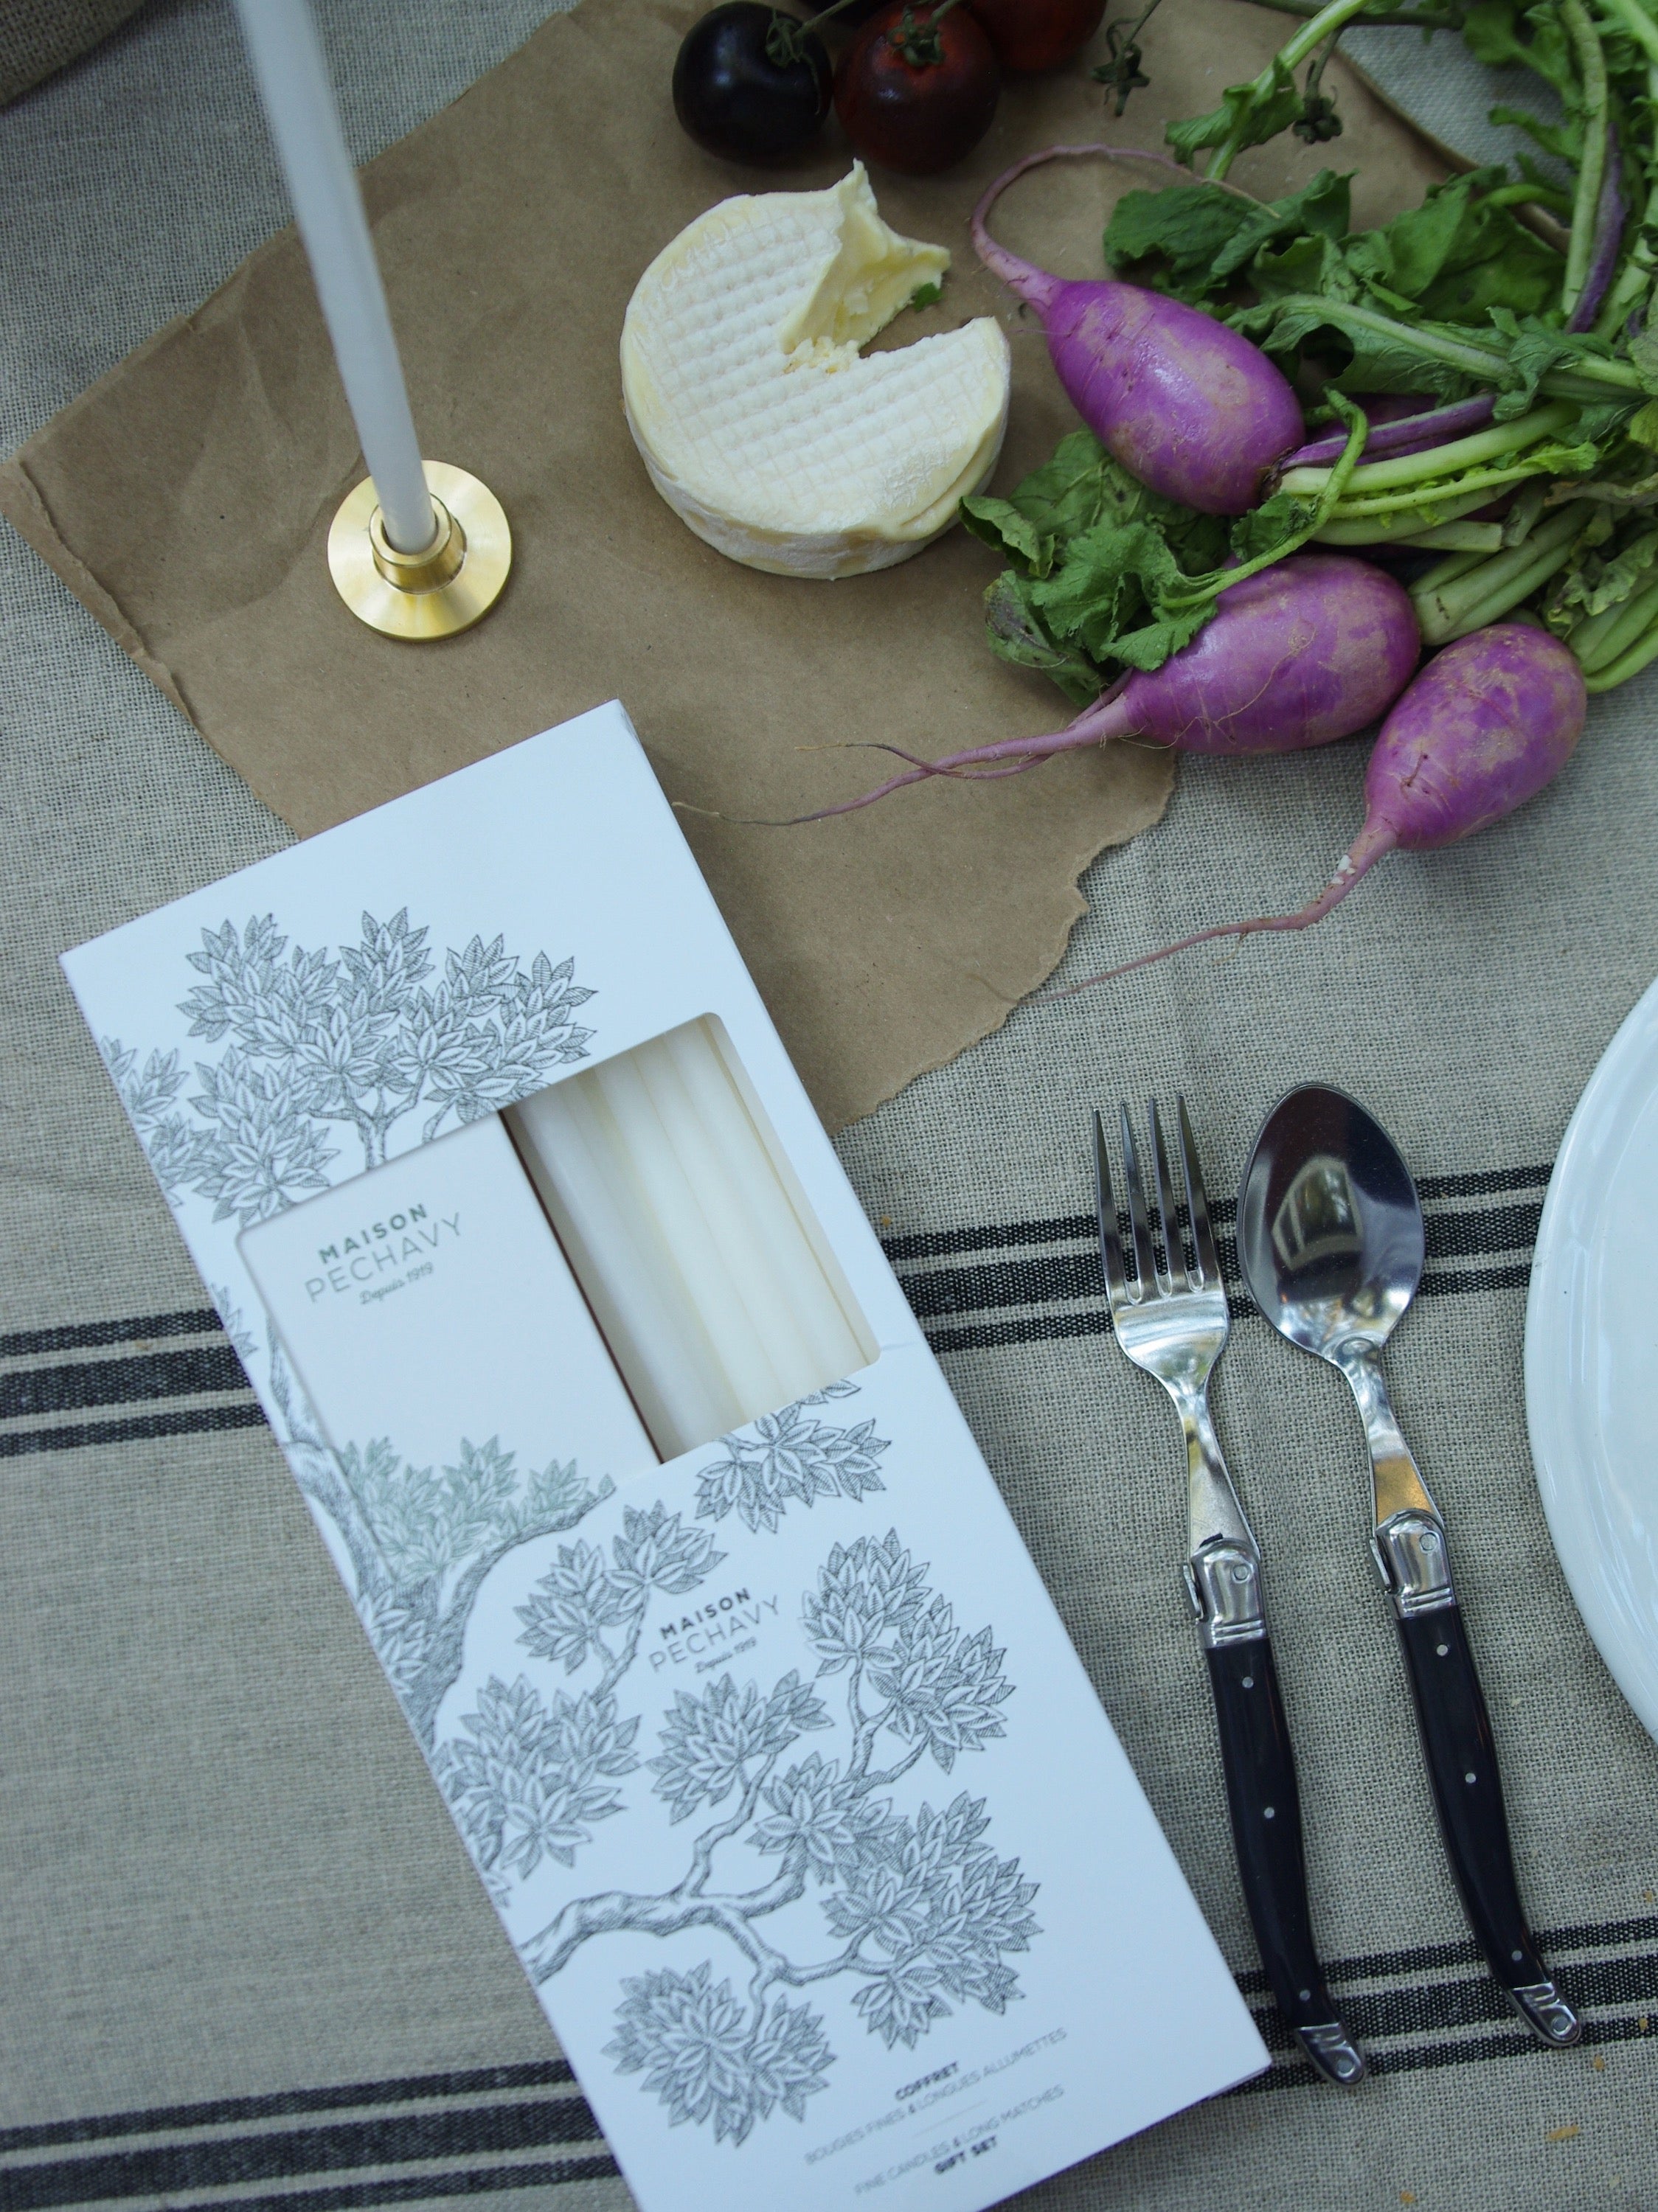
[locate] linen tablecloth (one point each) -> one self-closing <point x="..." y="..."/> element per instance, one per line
<point x="243" y="1960"/>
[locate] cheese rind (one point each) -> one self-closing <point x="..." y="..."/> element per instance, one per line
<point x="762" y="424"/>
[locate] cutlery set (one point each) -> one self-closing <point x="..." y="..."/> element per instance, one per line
<point x="1330" y="1248"/>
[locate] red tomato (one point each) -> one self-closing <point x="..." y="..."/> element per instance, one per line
<point x="1037" y="34"/>
<point x="914" y="94"/>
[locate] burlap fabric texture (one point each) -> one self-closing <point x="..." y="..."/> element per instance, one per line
<point x="39" y="36"/>
<point x="243" y="1960"/>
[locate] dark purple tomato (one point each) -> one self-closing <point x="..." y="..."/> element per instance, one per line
<point x="1037" y="34"/>
<point x="914" y="94"/>
<point x="751" y="84"/>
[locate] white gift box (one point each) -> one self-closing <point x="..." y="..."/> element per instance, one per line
<point x="791" y="1790"/>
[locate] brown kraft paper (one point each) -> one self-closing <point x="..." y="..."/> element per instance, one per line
<point x="185" y="498"/>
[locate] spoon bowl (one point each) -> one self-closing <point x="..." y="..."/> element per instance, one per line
<point x="1330" y="1235"/>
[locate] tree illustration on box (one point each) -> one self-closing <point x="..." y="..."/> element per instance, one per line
<point x="360" y="1038"/>
<point x="438" y="1534"/>
<point x="421" y="1540"/>
<point x="355" y="1039"/>
<point x="790" y="1455"/>
<point x="921" y="1909"/>
<point x="528" y="1777"/>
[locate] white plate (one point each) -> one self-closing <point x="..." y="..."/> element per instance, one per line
<point x="1592" y="1357"/>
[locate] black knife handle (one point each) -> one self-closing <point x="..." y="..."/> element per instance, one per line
<point x="1266" y="1833"/>
<point x="1461" y="1755"/>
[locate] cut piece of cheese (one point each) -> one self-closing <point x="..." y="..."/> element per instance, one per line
<point x="761" y="423"/>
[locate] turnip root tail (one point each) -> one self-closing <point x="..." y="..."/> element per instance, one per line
<point x="1309" y="650"/>
<point x="1097" y="725"/>
<point x="1033" y="284"/>
<point x="1371" y="845"/>
<point x="1482" y="729"/>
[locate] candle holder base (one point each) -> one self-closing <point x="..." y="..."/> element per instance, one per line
<point x="436" y="593"/>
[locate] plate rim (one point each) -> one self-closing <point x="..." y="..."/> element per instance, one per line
<point x="1565" y="1475"/>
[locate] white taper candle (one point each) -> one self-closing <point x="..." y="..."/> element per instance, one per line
<point x="616" y="1252"/>
<point x="777" y="1235"/>
<point x="671" y="1196"/>
<point x="299" y="102"/>
<point x="719" y="1198"/>
<point x="701" y="1263"/>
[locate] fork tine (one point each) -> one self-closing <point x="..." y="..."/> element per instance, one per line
<point x="1145" y="1266"/>
<point x="1111" y="1250"/>
<point x="1202" y="1237"/>
<point x="1168" y="1212"/>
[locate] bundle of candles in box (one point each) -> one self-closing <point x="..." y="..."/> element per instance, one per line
<point x="695" y="1251"/>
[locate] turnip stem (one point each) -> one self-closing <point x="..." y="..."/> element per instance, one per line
<point x="1449" y="608"/>
<point x="1471" y="491"/>
<point x="1522" y="195"/>
<point x="1313" y="33"/>
<point x="1405" y="430"/>
<point x="1415" y="19"/>
<point x="1591" y="637"/>
<point x="1403" y="516"/>
<point x="1525" y="513"/>
<point x="1473" y="539"/>
<point x="1447" y="571"/>
<point x="1438" y="460"/>
<point x="1632" y="664"/>
<point x="1630" y="15"/>
<point x="1587" y="380"/>
<point x="1634" y="280"/>
<point x="1606" y="637"/>
<point x="1037" y="286"/>
<point x="1591" y="73"/>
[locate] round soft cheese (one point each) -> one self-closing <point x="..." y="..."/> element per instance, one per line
<point x="764" y="425"/>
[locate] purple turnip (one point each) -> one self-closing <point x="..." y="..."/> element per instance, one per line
<point x="1306" y="651"/>
<point x="1488" y="722"/>
<point x="1192" y="408"/>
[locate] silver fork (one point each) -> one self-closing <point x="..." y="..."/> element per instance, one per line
<point x="1173" y="1321"/>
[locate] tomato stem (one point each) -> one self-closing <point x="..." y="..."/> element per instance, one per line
<point x="919" y="43"/>
<point x="1122" y="74"/>
<point x="786" y="36"/>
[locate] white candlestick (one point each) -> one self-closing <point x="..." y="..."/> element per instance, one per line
<point x="299" y="102"/>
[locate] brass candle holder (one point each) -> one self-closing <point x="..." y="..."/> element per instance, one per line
<point x="435" y="593"/>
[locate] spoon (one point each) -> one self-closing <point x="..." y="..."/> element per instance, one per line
<point x="1330" y="1241"/>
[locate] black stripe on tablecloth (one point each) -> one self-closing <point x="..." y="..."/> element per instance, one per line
<point x="978" y="1306"/>
<point x="202" y="1368"/>
<point x="290" y="2153"/>
<point x="284" y="2104"/>
<point x="1038" y="1328"/>
<point x="88" y="1335"/>
<point x="1054" y="1275"/>
<point x="600" y="2167"/>
<point x="1063" y="1228"/>
<point x="417" y="2189"/>
<point x="192" y="1421"/>
<point x="1615" y="1997"/>
<point x="142" y="1391"/>
<point x="1427" y="2008"/>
